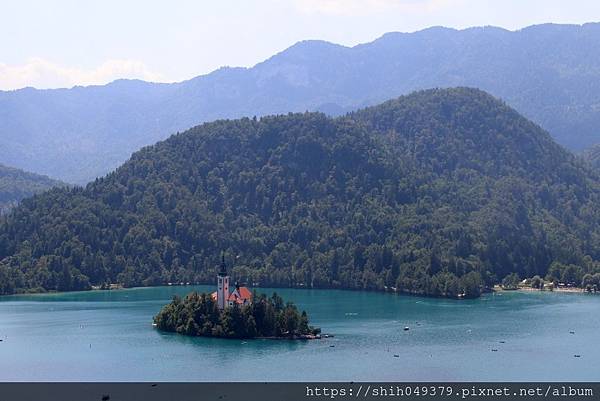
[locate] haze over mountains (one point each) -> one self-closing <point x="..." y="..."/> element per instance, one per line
<point x="440" y="192"/>
<point x="548" y="72"/>
<point x="592" y="156"/>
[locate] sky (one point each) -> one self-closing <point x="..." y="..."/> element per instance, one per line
<point x="62" y="43"/>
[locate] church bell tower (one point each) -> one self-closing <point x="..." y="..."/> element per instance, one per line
<point x="222" y="285"/>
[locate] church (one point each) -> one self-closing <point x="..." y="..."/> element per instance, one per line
<point x="240" y="295"/>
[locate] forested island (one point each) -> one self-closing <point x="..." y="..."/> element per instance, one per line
<point x="443" y="193"/>
<point x="266" y="317"/>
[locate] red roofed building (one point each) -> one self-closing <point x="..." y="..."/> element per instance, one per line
<point x="240" y="296"/>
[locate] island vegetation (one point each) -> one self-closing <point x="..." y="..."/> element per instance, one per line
<point x="266" y="317"/>
<point x="441" y="193"/>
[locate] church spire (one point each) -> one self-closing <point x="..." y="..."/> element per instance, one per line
<point x="223" y="271"/>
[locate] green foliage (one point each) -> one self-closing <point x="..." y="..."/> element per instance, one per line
<point x="443" y="193"/>
<point x="588" y="282"/>
<point x="537" y="282"/>
<point x="198" y="315"/>
<point x="17" y="184"/>
<point x="568" y="274"/>
<point x="592" y="156"/>
<point x="511" y="281"/>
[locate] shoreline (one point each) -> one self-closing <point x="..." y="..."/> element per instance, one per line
<point x="301" y="337"/>
<point x="566" y="290"/>
<point x="304" y="337"/>
<point x="496" y="289"/>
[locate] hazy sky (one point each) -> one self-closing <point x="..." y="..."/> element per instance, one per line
<point x="62" y="43"/>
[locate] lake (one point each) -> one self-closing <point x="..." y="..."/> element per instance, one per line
<point x="108" y="336"/>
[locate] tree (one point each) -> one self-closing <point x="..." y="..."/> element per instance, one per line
<point x="596" y="280"/>
<point x="537" y="282"/>
<point x="572" y="275"/>
<point x="471" y="284"/>
<point x="373" y="199"/>
<point x="303" y="327"/>
<point x="511" y="281"/>
<point x="291" y="319"/>
<point x="588" y="282"/>
<point x="198" y="315"/>
<point x="277" y="302"/>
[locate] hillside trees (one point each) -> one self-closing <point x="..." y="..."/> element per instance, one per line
<point x="443" y="193"/>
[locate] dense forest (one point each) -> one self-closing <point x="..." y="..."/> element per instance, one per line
<point x="441" y="192"/>
<point x="17" y="184"/>
<point x="592" y="156"/>
<point x="198" y="315"/>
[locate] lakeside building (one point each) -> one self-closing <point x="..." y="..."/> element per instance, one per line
<point x="240" y="295"/>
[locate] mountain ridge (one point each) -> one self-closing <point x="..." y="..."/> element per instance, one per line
<point x="441" y="192"/>
<point x="81" y="133"/>
<point x="316" y="41"/>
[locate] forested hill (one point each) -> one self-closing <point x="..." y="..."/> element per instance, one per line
<point x="441" y="192"/>
<point x="17" y="184"/>
<point x="592" y="156"/>
<point x="547" y="72"/>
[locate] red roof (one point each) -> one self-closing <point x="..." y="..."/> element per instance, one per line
<point x="240" y="295"/>
<point x="245" y="293"/>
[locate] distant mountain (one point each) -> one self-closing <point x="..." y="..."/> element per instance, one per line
<point x="17" y="184"/>
<point x="440" y="193"/>
<point x="548" y="72"/>
<point x="592" y="155"/>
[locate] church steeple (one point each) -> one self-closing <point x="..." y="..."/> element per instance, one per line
<point x="223" y="270"/>
<point x="222" y="284"/>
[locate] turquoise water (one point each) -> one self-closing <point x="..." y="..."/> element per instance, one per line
<point x="108" y="336"/>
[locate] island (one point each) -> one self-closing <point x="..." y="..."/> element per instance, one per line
<point x="267" y="317"/>
<point x="240" y="314"/>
